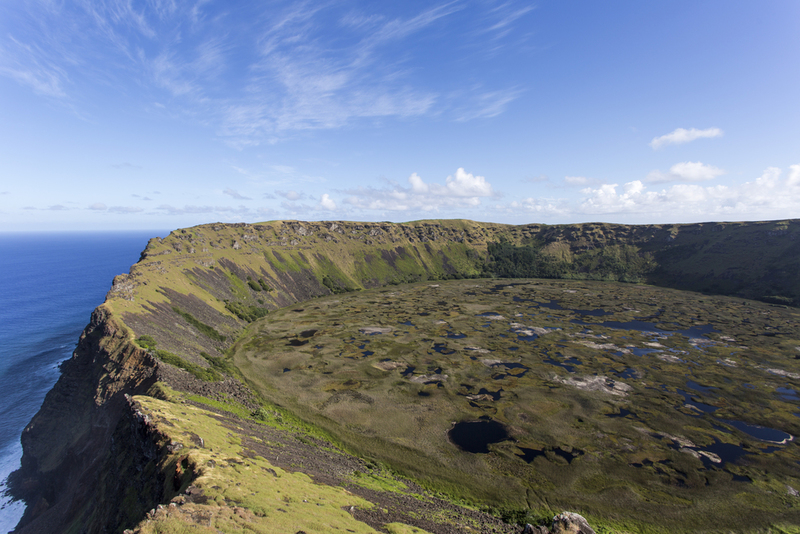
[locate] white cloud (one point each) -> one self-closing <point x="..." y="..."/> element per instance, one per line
<point x="460" y="190"/>
<point x="327" y="203"/>
<point x="542" y="207"/>
<point x="689" y="171"/>
<point x="417" y="185"/>
<point x="682" y="135"/>
<point x="770" y="178"/>
<point x="794" y="176"/>
<point x="468" y="185"/>
<point x="767" y="197"/>
<point x="98" y="206"/>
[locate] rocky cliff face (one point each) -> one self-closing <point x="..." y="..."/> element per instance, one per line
<point x="66" y="444"/>
<point x="194" y="291"/>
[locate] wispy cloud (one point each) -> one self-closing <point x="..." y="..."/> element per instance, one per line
<point x="232" y="193"/>
<point x="578" y="180"/>
<point x="99" y="206"/>
<point x="485" y="105"/>
<point x="259" y="73"/>
<point x="125" y="209"/>
<point x="498" y="23"/>
<point x="194" y="210"/>
<point x="290" y="195"/>
<point x="682" y="135"/>
<point x="540" y="207"/>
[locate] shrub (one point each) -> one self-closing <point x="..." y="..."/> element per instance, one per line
<point x="205" y="374"/>
<point x="146" y="342"/>
<point x="245" y="312"/>
<point x="204" y="328"/>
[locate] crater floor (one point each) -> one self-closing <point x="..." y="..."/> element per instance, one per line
<point x="656" y="405"/>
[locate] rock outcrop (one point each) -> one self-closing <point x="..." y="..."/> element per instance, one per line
<point x="563" y="523"/>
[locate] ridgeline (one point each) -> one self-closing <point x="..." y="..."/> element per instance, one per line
<point x="151" y="409"/>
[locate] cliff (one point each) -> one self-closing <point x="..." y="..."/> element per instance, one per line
<point x="193" y="293"/>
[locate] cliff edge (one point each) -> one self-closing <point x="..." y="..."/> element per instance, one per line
<point x="192" y="293"/>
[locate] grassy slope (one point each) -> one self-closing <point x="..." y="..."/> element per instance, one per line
<point x="196" y="271"/>
<point x="178" y="292"/>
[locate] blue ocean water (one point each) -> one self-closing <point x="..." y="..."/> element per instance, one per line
<point x="49" y="285"/>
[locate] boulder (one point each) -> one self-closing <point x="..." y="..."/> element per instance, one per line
<point x="570" y="523"/>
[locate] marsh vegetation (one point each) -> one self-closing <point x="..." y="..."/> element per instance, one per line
<point x="665" y="408"/>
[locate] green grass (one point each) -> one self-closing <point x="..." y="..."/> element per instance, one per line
<point x="203" y="373"/>
<point x="246" y="312"/>
<point x="202" y="327"/>
<point x="250" y="498"/>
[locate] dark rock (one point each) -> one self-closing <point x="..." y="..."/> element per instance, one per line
<point x="530" y="529"/>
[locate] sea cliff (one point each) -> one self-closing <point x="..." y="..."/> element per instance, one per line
<point x="98" y="457"/>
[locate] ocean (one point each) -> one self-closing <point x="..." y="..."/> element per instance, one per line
<point x="49" y="285"/>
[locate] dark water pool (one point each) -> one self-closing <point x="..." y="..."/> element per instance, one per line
<point x="687" y="399"/>
<point x="442" y="348"/>
<point x="644" y="326"/>
<point x="629" y="373"/>
<point x="569" y="364"/>
<point x="697" y="387"/>
<point x="788" y="394"/>
<point x="641" y="352"/>
<point x="622" y="413"/>
<point x="760" y="432"/>
<point x="727" y="452"/>
<point x="475" y="436"/>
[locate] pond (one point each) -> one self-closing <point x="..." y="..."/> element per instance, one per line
<point x="644" y="326"/>
<point x="760" y="432"/>
<point x="475" y="436"/>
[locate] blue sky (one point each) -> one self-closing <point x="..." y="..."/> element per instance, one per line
<point x="163" y="114"/>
